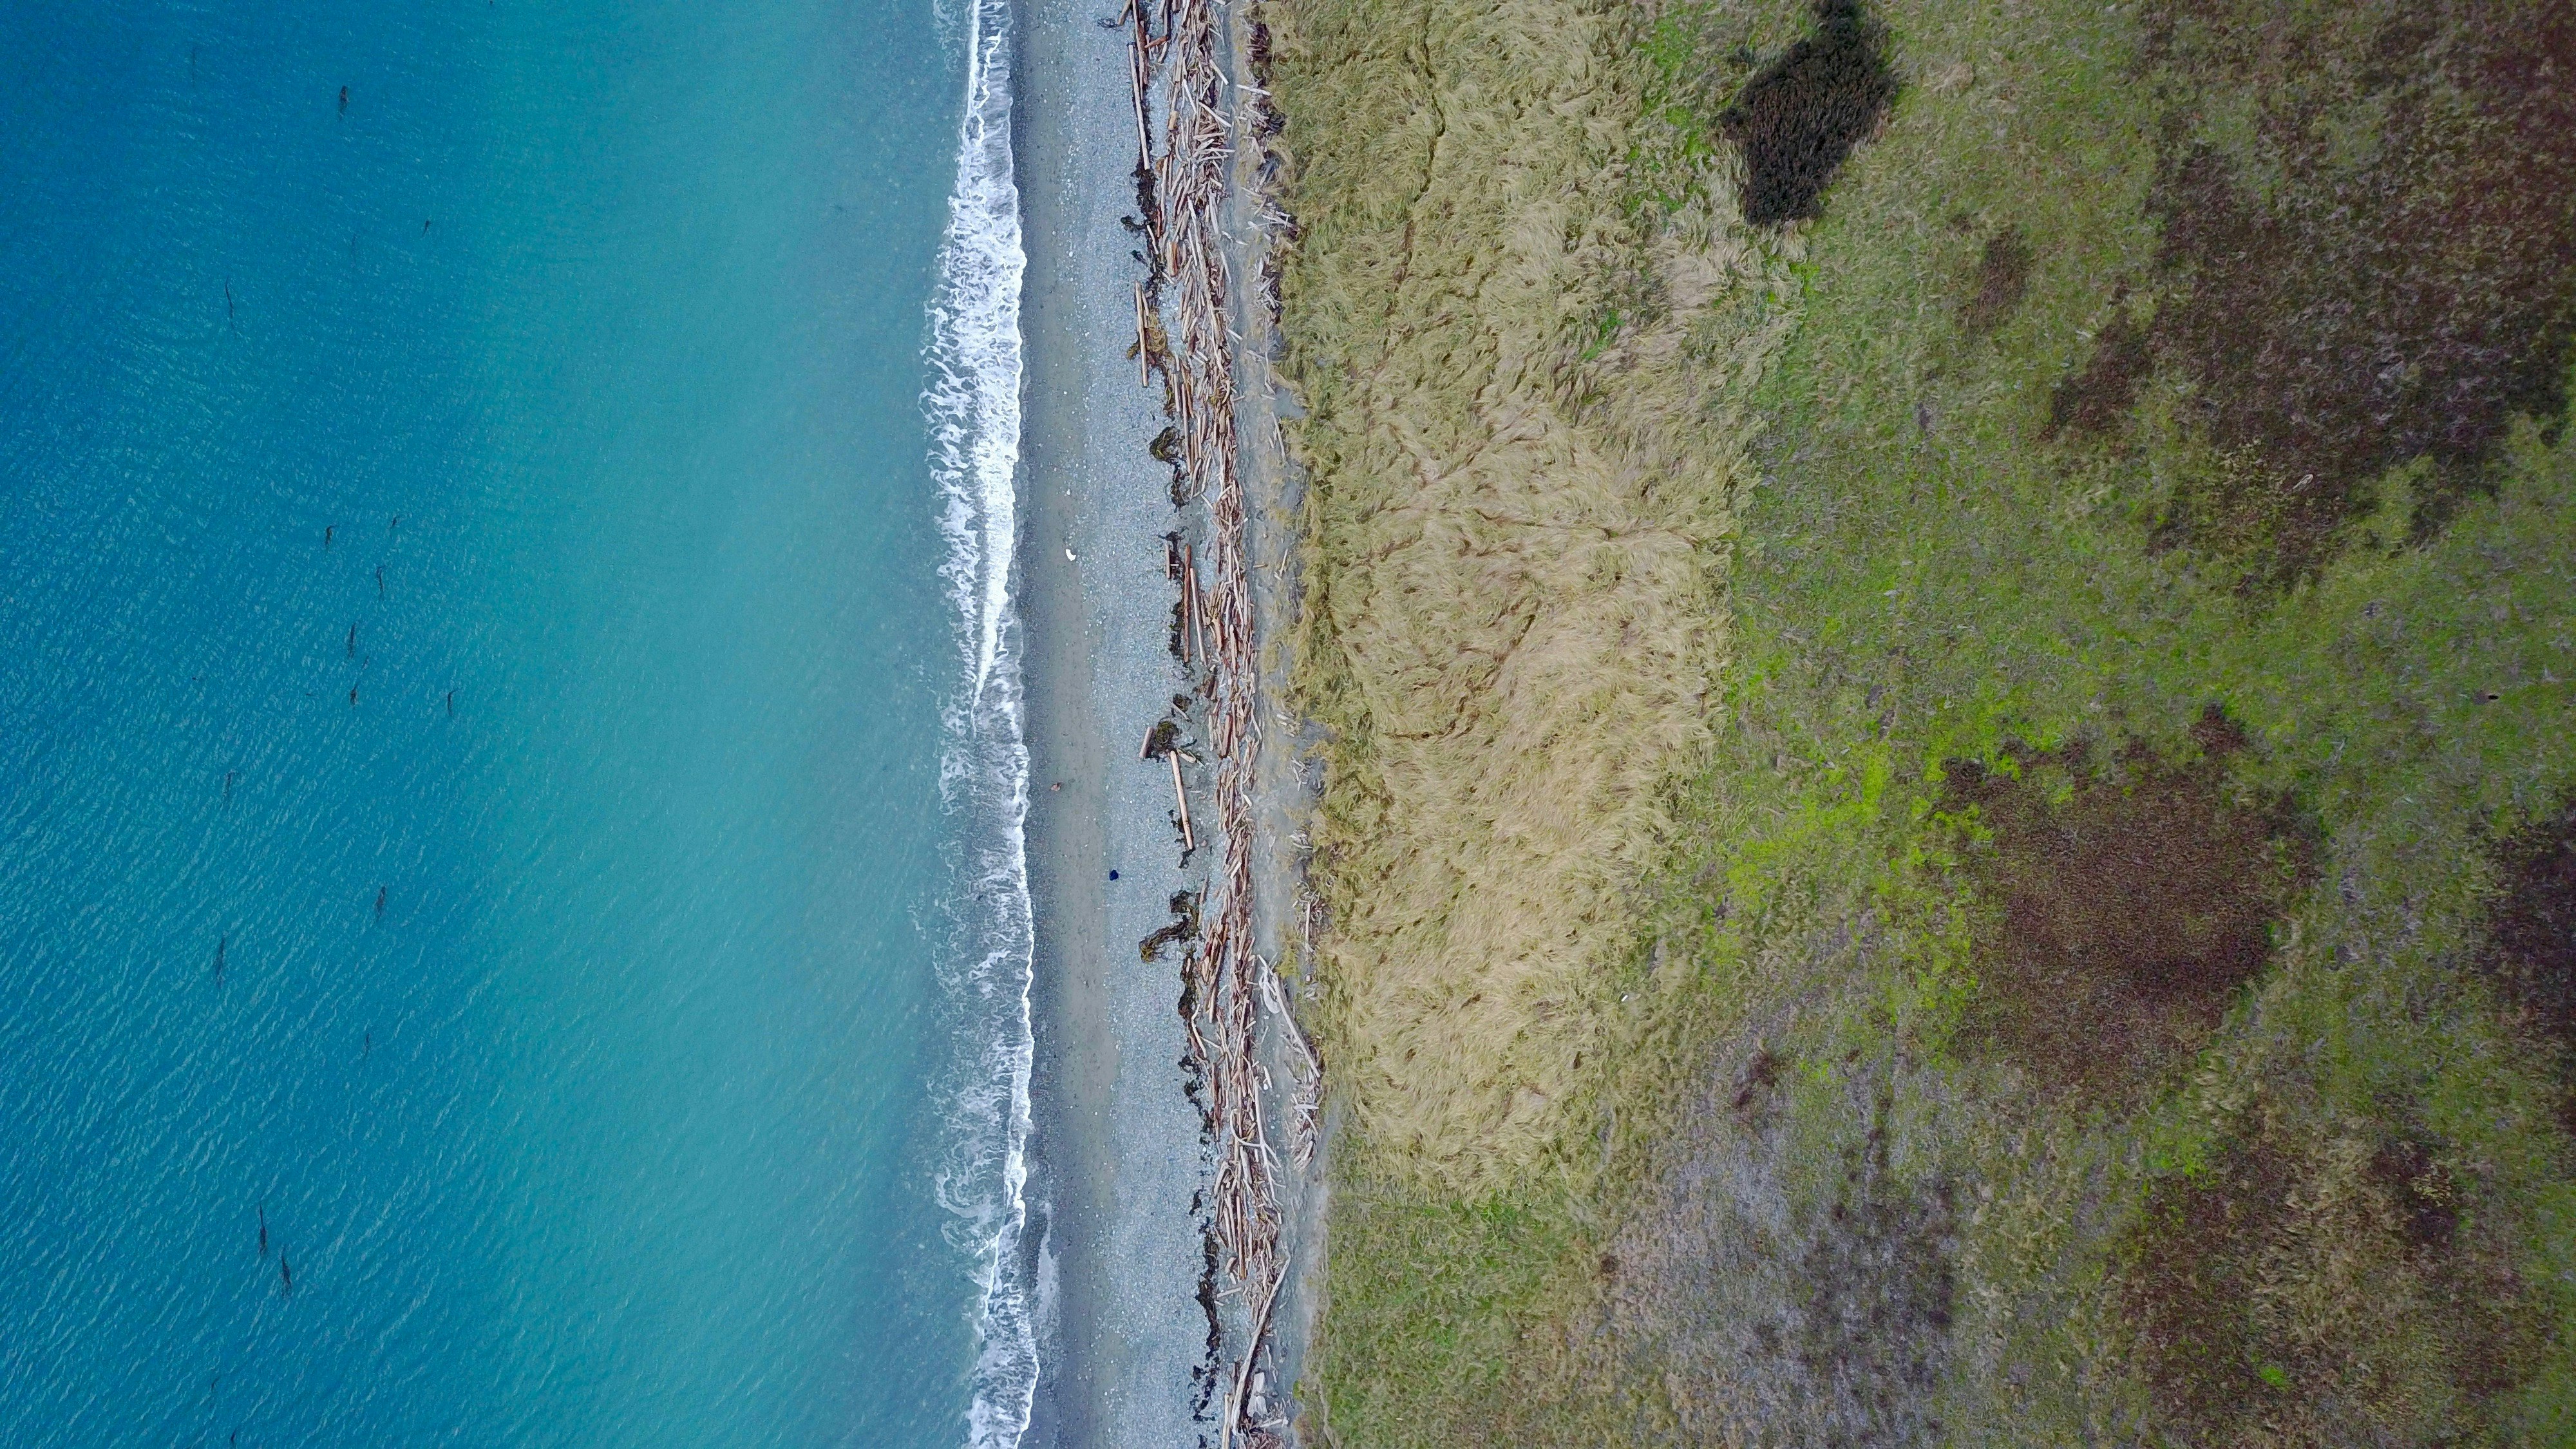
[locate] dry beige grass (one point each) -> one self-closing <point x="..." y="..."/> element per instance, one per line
<point x="1522" y="466"/>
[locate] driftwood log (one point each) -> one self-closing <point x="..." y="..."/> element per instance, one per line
<point x="1177" y="58"/>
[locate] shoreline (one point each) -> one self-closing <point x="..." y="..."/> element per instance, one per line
<point x="1116" y="1142"/>
<point x="1143" y="1337"/>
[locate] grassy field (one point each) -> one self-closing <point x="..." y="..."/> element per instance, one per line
<point x="1519" y="516"/>
<point x="1947" y="818"/>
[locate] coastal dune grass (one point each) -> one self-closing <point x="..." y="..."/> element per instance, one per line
<point x="1517" y="531"/>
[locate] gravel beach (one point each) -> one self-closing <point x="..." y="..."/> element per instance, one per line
<point x="1117" y="1152"/>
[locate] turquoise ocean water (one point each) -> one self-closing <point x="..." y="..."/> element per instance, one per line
<point x="509" y="781"/>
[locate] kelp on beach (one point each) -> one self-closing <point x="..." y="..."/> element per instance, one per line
<point x="1915" y="850"/>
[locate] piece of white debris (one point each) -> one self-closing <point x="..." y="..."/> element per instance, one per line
<point x="1069" y="558"/>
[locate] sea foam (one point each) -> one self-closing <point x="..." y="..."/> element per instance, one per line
<point x="973" y="403"/>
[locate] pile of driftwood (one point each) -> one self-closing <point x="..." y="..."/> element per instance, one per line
<point x="1176" y="56"/>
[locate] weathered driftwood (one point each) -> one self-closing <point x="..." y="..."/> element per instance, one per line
<point x="1144" y="344"/>
<point x="1195" y="608"/>
<point x="1182" y="330"/>
<point x="1136" y="76"/>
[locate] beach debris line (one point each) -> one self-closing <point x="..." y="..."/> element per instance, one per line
<point x="1182" y="334"/>
<point x="1308" y="1063"/>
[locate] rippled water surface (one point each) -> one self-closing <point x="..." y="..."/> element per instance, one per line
<point x="472" y="662"/>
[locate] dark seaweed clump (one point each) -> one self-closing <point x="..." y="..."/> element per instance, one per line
<point x="1798" y="120"/>
<point x="1183" y="929"/>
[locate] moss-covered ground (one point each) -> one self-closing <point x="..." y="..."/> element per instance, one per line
<point x="2094" y="980"/>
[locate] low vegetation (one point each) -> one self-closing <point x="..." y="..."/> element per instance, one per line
<point x="2125" y="901"/>
<point x="1950" y="813"/>
<point x="2365" y="233"/>
<point x="1796" y="122"/>
<point x="2530" y="949"/>
<point x="1517" y="527"/>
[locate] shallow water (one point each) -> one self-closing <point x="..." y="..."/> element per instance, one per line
<point x="567" y="999"/>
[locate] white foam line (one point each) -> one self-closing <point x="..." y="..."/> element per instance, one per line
<point x="974" y="401"/>
<point x="973" y="404"/>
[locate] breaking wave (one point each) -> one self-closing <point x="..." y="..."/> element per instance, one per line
<point x="973" y="403"/>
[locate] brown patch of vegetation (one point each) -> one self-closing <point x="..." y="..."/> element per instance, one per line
<point x="2422" y="1199"/>
<point x="1760" y="1076"/>
<point x="2218" y="735"/>
<point x="2531" y="941"/>
<point x="2094" y="400"/>
<point x="2003" y="275"/>
<point x="2129" y="909"/>
<point x="1799" y="118"/>
<point x="2382" y="270"/>
<point x="2325" y="1291"/>
<point x="2530" y="946"/>
<point x="2190" y="1275"/>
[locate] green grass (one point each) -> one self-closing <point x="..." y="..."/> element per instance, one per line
<point x="1430" y="1295"/>
<point x="1906" y="596"/>
<point x="1922" y="578"/>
